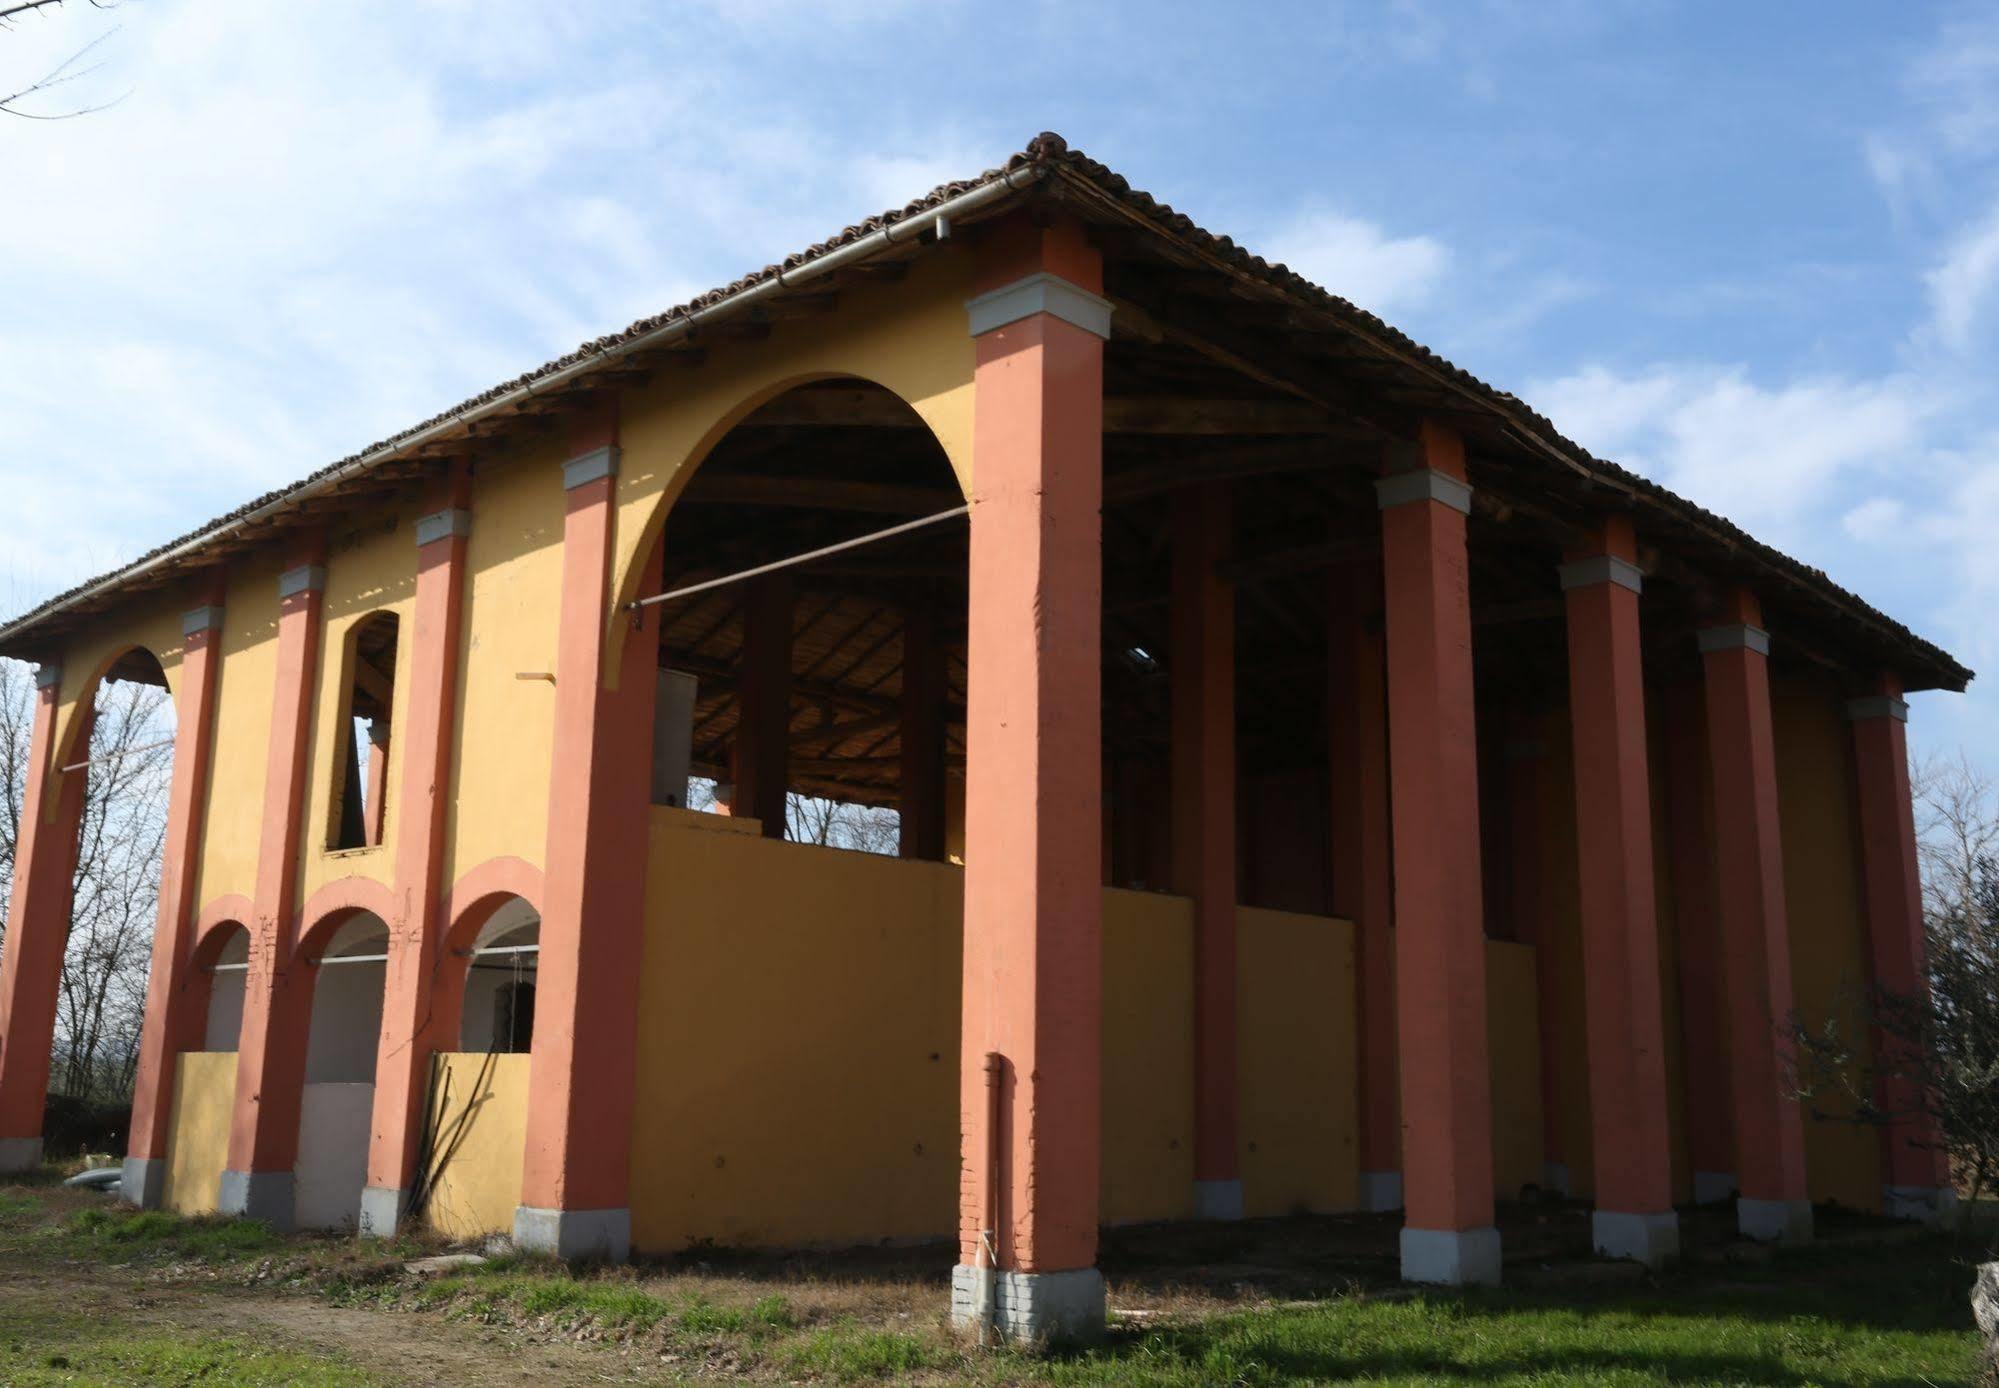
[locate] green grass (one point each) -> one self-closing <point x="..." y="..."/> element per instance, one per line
<point x="40" y="1344"/>
<point x="111" y="1232"/>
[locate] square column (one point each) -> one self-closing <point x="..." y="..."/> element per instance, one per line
<point x="761" y="757"/>
<point x="1627" y="1065"/>
<point x="582" y="1075"/>
<point x="920" y="733"/>
<point x="412" y="1026"/>
<point x="1439" y="911"/>
<point x="172" y="1023"/>
<point x="1204" y="825"/>
<point x="1363" y="872"/>
<point x="1755" y="932"/>
<point x="1918" y="1173"/>
<point x="1703" y="1010"/>
<point x="277" y="989"/>
<point x="1031" y="1055"/>
<point x="38" y="922"/>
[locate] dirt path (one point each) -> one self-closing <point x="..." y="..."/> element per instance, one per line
<point x="395" y="1348"/>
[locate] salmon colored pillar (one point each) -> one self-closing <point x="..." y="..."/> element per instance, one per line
<point x="1630" y="1135"/>
<point x="1204" y="824"/>
<point x="1448" y="1234"/>
<point x="38" y="923"/>
<point x="376" y="800"/>
<point x="1526" y="829"/>
<point x="277" y="990"/>
<point x="411" y="1022"/>
<point x="1750" y="915"/>
<point x="920" y="797"/>
<point x="762" y="751"/>
<point x="173" y="1023"/>
<point x="576" y="1169"/>
<point x="1918" y="1175"/>
<point x="1363" y="871"/>
<point x="1033" y="1000"/>
<point x="1703" y="1010"/>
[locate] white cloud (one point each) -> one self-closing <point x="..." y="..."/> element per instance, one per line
<point x="1962" y="285"/>
<point x="1359" y="261"/>
<point x="1877" y="519"/>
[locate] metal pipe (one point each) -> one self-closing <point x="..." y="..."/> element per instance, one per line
<point x="795" y="560"/>
<point x="881" y="238"/>
<point x="114" y="756"/>
<point x="350" y="959"/>
<point x="987" y="1258"/>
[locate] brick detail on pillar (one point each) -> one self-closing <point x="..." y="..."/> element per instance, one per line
<point x="172" y="1022"/>
<point x="1915" y="1169"/>
<point x="1440" y="937"/>
<point x="411" y="1025"/>
<point x="1033" y="898"/>
<point x="270" y="1055"/>
<point x="576" y="1169"/>
<point x="45" y="849"/>
<point x="1630" y="1131"/>
<point x="1363" y="873"/>
<point x="761" y="758"/>
<point x="1202" y="674"/>
<point x="1751" y="920"/>
<point x="1703" y="1011"/>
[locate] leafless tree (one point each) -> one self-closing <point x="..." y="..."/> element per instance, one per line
<point x="1957" y="827"/>
<point x="842" y="824"/>
<point x="100" y="1005"/>
<point x="79" y="65"/>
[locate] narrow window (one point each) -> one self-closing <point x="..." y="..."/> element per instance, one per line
<point x="360" y="792"/>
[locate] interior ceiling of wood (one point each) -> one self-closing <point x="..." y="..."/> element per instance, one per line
<point x="828" y="462"/>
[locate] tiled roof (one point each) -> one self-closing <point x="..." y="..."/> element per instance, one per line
<point x="1048" y="157"/>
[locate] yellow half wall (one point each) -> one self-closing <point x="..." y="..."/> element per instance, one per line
<point x="198" y="1145"/>
<point x="478" y="1126"/>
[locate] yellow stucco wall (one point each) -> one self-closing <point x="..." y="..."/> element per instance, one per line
<point x="1823" y="904"/>
<point x="1512" y="1028"/>
<point x="198" y="1145"/>
<point x="234" y="819"/>
<point x="1148" y="1078"/>
<point x="478" y="1118"/>
<point x="1295" y="1033"/>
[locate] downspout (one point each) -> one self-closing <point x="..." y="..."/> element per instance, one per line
<point x="987" y="1261"/>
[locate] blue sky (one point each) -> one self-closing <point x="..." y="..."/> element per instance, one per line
<point x="1750" y="250"/>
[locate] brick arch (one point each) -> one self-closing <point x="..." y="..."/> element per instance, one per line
<point x="327" y="909"/>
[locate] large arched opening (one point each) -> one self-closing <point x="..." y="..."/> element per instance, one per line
<point x="346" y="958"/>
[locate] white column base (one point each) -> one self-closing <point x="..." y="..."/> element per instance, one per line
<point x="1774" y="1221"/>
<point x="1651" y="1239"/>
<point x="382" y="1210"/>
<point x="1555" y="1177"/>
<point x="19" y="1154"/>
<point x="572" y="1235"/>
<point x="1923" y="1204"/>
<point x="265" y="1195"/>
<point x="1030" y="1307"/>
<point x="143" y="1182"/>
<point x="1451" y="1257"/>
<point x="1380" y="1191"/>
<point x="1218" y="1199"/>
<point x="1714" y="1187"/>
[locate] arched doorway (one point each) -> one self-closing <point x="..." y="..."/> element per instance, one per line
<point x="224" y="960"/>
<point x="497" y="1014"/>
<point x="349" y="971"/>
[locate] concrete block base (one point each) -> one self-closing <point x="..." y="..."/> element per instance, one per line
<point x="1030" y="1307"/>
<point x="1451" y="1257"/>
<point x="1923" y="1204"/>
<point x="1651" y="1239"/>
<point x="382" y="1210"/>
<point x="143" y="1182"/>
<point x="574" y="1234"/>
<point x="19" y="1154"/>
<point x="1380" y="1190"/>
<point x="1218" y="1199"/>
<point x="265" y="1195"/>
<point x="1555" y="1177"/>
<point x="1774" y="1221"/>
<point x="1714" y="1187"/>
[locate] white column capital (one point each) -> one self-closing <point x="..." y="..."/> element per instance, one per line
<point x="1602" y="568"/>
<point x="1423" y="484"/>
<point x="1739" y="635"/>
<point x="443" y="525"/>
<point x="1040" y="292"/>
<point x="306" y="578"/>
<point x="1877" y="706"/>
<point x="588" y="467"/>
<point x="199" y="619"/>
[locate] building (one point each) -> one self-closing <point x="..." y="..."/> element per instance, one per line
<point x="1365" y="797"/>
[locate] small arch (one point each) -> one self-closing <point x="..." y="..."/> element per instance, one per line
<point x="499" y="898"/>
<point x="221" y="973"/>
